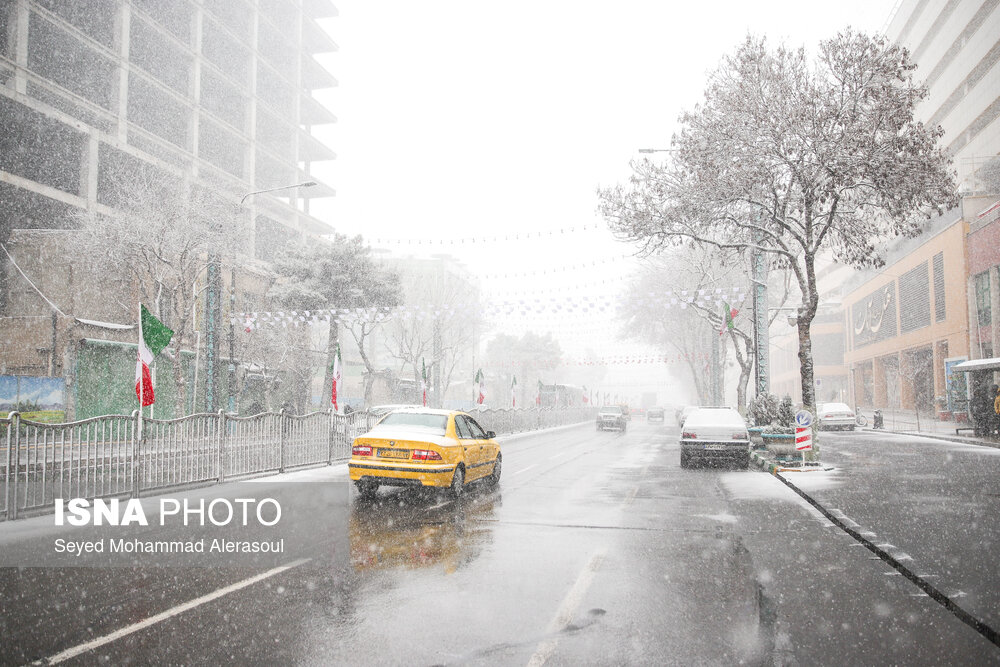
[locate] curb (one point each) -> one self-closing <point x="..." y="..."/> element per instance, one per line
<point x="773" y="467"/>
<point x="940" y="436"/>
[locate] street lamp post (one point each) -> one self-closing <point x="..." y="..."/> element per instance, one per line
<point x="214" y="311"/>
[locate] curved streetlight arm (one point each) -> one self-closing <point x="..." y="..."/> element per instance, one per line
<point x="306" y="184"/>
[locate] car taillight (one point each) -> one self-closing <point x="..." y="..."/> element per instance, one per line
<point x="424" y="455"/>
<point x="826" y="416"/>
<point x="361" y="450"/>
<point x="690" y="435"/>
<point x="739" y="436"/>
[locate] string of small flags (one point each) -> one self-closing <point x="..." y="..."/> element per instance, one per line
<point x="556" y="269"/>
<point x="558" y="308"/>
<point x="483" y="240"/>
<point x="617" y="360"/>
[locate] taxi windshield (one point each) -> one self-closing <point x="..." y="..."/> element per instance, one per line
<point x="425" y="422"/>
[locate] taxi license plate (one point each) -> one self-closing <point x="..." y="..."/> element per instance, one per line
<point x="394" y="453"/>
<point x="715" y="447"/>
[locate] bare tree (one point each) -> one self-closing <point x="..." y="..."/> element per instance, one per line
<point x="438" y="327"/>
<point x="792" y="159"/>
<point x="337" y="275"/>
<point x="158" y="234"/>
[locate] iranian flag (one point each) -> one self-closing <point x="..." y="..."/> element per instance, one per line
<point x="586" y="398"/>
<point x="513" y="386"/>
<point x="538" y="396"/>
<point x="337" y="378"/>
<point x="153" y="337"/>
<point x="480" y="381"/>
<point x="728" y="319"/>
<point x="423" y="380"/>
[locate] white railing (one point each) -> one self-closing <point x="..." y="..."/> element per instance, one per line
<point x="109" y="456"/>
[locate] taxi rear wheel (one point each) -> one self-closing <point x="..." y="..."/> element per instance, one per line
<point x="457" y="482"/>
<point x="367" y="488"/>
<point x="495" y="475"/>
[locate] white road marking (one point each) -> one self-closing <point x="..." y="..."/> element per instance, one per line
<point x="169" y="613"/>
<point x="524" y="469"/>
<point x="566" y="610"/>
<point x="557" y="456"/>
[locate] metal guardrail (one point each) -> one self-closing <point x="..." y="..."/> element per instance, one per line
<point x="111" y="456"/>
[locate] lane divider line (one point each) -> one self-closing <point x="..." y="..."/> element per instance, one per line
<point x="567" y="610"/>
<point x="989" y="633"/>
<point x="533" y="465"/>
<point x="162" y="616"/>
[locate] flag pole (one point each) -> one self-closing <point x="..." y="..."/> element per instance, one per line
<point x="138" y="361"/>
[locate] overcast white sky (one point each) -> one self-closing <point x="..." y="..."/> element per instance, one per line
<point x="462" y="118"/>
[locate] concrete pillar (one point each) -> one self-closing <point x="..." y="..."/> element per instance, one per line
<point x="907" y="370"/>
<point x="879" y="394"/>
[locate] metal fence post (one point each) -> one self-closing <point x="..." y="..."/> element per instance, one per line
<point x="329" y="437"/>
<point x="137" y="436"/>
<point x="13" y="463"/>
<point x="281" y="440"/>
<point x="221" y="452"/>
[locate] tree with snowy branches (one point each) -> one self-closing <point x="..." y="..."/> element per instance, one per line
<point x="794" y="158"/>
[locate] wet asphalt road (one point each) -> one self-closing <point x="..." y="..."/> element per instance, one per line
<point x="596" y="548"/>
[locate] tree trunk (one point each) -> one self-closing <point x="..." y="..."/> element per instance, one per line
<point x="180" y="382"/>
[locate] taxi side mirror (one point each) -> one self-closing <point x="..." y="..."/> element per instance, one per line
<point x="491" y="435"/>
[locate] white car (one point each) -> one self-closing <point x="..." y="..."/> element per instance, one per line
<point x="835" y="416"/>
<point x="684" y="413"/>
<point x="713" y="434"/>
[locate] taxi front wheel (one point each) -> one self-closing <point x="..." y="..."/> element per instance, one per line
<point x="457" y="482"/>
<point x="495" y="475"/>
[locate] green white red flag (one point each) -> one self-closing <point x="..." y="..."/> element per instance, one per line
<point x="480" y="388"/>
<point x="538" y="396"/>
<point x="153" y="337"/>
<point x="423" y="380"/>
<point x="337" y="379"/>
<point x="728" y="316"/>
<point x="586" y="397"/>
<point x="513" y="386"/>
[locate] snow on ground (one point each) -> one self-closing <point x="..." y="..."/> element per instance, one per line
<point x="759" y="486"/>
<point x="815" y="480"/>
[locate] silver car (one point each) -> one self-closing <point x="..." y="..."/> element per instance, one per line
<point x="835" y="416"/>
<point x="715" y="434"/>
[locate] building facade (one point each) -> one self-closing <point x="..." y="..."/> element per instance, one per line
<point x="907" y="323"/>
<point x="956" y="48"/>
<point x="984" y="281"/>
<point x="215" y="95"/>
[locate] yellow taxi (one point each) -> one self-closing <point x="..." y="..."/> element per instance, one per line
<point x="446" y="449"/>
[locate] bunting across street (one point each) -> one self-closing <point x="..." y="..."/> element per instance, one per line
<point x="558" y="307"/>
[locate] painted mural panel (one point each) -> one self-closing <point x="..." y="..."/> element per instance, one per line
<point x="41" y="399"/>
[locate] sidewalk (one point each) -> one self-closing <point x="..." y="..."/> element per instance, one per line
<point x="907" y="422"/>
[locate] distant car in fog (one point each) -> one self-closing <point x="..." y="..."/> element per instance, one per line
<point x="655" y="414"/>
<point x="611" y="417"/>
